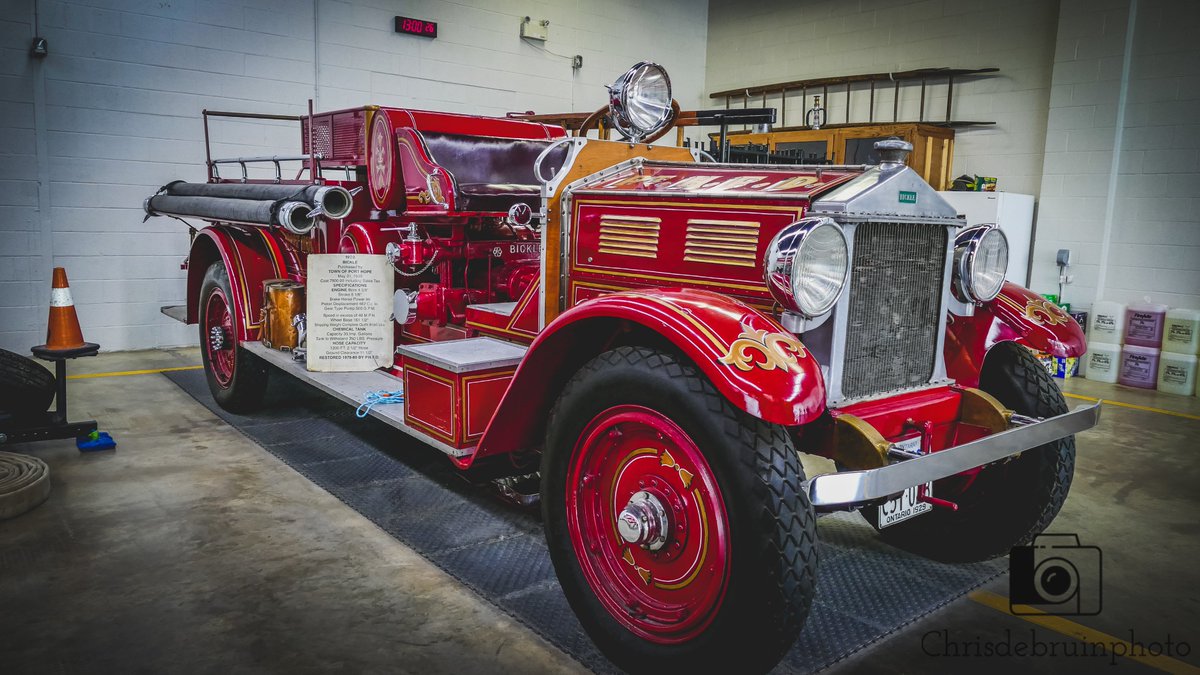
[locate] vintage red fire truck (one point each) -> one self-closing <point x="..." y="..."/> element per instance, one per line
<point x="659" y="336"/>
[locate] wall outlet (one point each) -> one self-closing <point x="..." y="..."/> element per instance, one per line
<point x="1064" y="257"/>
<point x="535" y="29"/>
<point x="577" y="62"/>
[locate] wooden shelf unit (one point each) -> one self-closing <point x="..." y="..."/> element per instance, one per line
<point x="932" y="156"/>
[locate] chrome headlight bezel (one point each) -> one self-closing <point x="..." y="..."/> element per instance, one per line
<point x="786" y="279"/>
<point x="968" y="284"/>
<point x="625" y="117"/>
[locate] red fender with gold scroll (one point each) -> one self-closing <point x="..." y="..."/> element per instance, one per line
<point x="753" y="361"/>
<point x="1017" y="315"/>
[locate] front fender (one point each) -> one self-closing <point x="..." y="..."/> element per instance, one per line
<point x="753" y="361"/>
<point x="251" y="255"/>
<point x="1016" y="315"/>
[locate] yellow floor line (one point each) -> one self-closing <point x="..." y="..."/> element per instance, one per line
<point x="1146" y="408"/>
<point x="122" y="373"/>
<point x="1084" y="634"/>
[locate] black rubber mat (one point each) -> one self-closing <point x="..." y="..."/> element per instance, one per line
<point x="865" y="588"/>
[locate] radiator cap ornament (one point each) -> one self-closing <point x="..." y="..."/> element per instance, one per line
<point x="893" y="152"/>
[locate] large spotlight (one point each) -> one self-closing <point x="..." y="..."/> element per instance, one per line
<point x="807" y="265"/>
<point x="980" y="260"/>
<point x="640" y="101"/>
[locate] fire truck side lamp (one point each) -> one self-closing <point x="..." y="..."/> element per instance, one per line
<point x="980" y="260"/>
<point x="640" y="100"/>
<point x="807" y="265"/>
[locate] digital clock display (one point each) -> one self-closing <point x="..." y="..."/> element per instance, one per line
<point x="412" y="26"/>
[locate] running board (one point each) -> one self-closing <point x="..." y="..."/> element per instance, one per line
<point x="177" y="312"/>
<point x="350" y="388"/>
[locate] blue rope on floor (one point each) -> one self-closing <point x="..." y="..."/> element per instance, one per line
<point x="380" y="397"/>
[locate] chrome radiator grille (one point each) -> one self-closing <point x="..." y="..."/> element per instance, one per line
<point x="894" y="307"/>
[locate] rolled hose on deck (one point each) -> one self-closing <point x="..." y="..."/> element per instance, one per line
<point x="293" y="216"/>
<point x="332" y="201"/>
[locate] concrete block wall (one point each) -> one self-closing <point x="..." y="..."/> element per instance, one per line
<point x="1120" y="170"/>
<point x="114" y="112"/>
<point x="765" y="41"/>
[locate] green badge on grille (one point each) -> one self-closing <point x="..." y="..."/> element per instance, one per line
<point x="907" y="197"/>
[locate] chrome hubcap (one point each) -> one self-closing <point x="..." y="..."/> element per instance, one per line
<point x="216" y="338"/>
<point x="643" y="522"/>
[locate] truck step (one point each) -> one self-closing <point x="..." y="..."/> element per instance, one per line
<point x="350" y="388"/>
<point x="465" y="356"/>
<point x="177" y="312"/>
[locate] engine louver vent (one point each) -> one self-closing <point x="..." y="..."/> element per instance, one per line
<point x="629" y="235"/>
<point x="722" y="242"/>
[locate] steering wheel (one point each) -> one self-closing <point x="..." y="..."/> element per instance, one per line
<point x="593" y="121"/>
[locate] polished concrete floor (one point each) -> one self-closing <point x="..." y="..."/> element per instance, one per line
<point x="190" y="549"/>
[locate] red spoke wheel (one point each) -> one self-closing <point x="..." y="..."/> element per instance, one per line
<point x="220" y="340"/>
<point x="236" y="379"/>
<point x="650" y="523"/>
<point x="677" y="524"/>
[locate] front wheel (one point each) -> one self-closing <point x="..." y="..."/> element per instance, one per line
<point x="237" y="380"/>
<point x="677" y="524"/>
<point x="1006" y="504"/>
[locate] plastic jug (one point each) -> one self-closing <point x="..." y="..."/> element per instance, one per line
<point x="1177" y="373"/>
<point x="1139" y="367"/>
<point x="1181" y="331"/>
<point x="1144" y="324"/>
<point x="1107" y="322"/>
<point x="1102" y="362"/>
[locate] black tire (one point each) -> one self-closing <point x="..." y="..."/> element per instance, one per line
<point x="1009" y="503"/>
<point x="772" y="541"/>
<point x="25" y="386"/>
<point x="246" y="389"/>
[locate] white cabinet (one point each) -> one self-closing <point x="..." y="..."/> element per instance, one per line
<point x="1013" y="212"/>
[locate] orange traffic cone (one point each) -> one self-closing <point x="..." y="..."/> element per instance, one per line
<point x="62" y="329"/>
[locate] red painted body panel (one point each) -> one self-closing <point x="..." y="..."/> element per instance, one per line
<point x="760" y="367"/>
<point x="652" y="242"/>
<point x="520" y="326"/>
<point x="454" y="408"/>
<point x="1018" y="315"/>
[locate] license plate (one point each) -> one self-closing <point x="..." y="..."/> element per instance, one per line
<point x="904" y="507"/>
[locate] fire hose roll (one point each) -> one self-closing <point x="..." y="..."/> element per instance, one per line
<point x="272" y="192"/>
<point x="213" y="208"/>
<point x="24" y="483"/>
<point x="296" y="217"/>
<point x="334" y="201"/>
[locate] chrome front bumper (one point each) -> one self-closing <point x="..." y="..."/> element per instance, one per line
<point x="853" y="488"/>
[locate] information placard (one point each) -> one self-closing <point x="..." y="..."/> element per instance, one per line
<point x="349" y="312"/>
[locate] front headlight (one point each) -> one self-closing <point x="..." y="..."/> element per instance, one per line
<point x="640" y="100"/>
<point x="980" y="259"/>
<point x="806" y="266"/>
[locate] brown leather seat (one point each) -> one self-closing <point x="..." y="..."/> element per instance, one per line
<point x="493" y="173"/>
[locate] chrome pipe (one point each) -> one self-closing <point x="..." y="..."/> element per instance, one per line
<point x="296" y="217"/>
<point x="332" y="201"/>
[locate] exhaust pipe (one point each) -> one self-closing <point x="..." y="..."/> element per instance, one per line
<point x="297" y="217"/>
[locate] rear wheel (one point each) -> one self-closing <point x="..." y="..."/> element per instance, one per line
<point x="677" y="524"/>
<point x="1003" y="505"/>
<point x="236" y="378"/>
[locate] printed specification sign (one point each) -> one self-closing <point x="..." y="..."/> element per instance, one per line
<point x="349" y="312"/>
